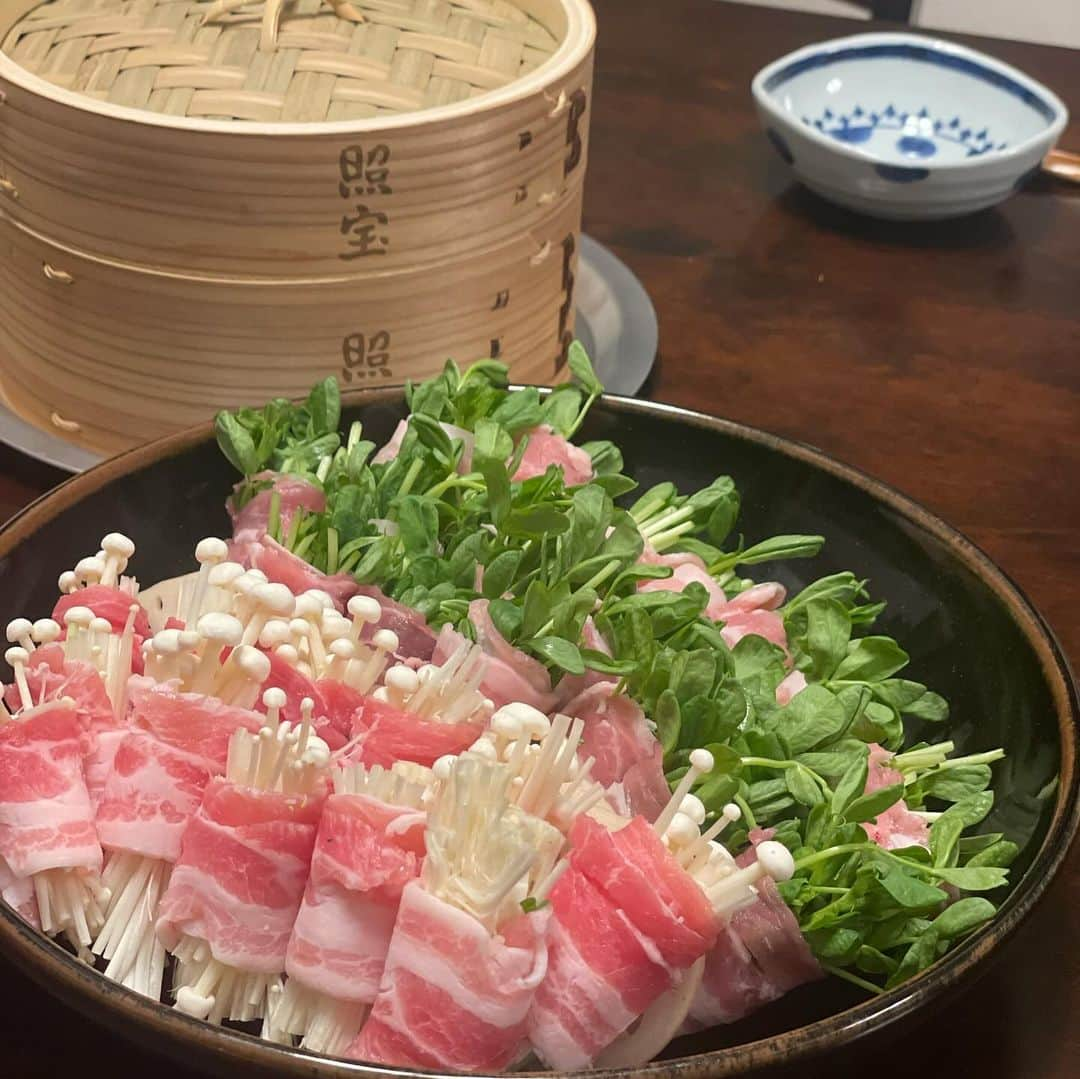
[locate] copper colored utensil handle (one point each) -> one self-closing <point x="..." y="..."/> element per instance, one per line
<point x="1063" y="164"/>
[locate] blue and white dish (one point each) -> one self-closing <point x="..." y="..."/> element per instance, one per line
<point x="904" y="126"/>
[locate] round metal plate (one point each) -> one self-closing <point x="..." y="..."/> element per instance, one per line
<point x="615" y="321"/>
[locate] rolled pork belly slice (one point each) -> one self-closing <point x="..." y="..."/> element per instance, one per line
<point x="47" y="831"/>
<point x="370" y="844"/>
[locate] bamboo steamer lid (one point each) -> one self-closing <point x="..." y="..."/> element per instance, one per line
<point x="258" y="194"/>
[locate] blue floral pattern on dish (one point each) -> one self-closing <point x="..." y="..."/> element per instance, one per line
<point x="912" y="135"/>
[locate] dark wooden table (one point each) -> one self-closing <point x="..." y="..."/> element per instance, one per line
<point x="943" y="358"/>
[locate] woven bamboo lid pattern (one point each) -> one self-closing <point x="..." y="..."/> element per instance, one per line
<point x="304" y="62"/>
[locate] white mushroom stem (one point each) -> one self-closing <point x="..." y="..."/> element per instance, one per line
<point x="274" y="700"/>
<point x="274" y="601"/>
<point x="545" y="887"/>
<point x="118" y="550"/>
<point x="579" y="796"/>
<point x="699" y="852"/>
<point x="99" y="634"/>
<point x="336" y="627"/>
<point x="401" y="683"/>
<point x="244" y="603"/>
<point x="71" y="901"/>
<point x="209" y="552"/>
<point x="342" y="652"/>
<point x="89" y="570"/>
<point x="701" y="763"/>
<point x="309" y="609"/>
<point x="682" y="832"/>
<point x="551" y="768"/>
<point x="46" y="630"/>
<point x="222" y="577"/>
<point x="241" y="675"/>
<point x="19" y="632"/>
<point x="217" y="631"/>
<point x="450" y="693"/>
<point x="291" y="656"/>
<point x="363" y="610"/>
<point x="479" y="847"/>
<point x="298" y="635"/>
<point x="362" y="676"/>
<point x="326" y="1025"/>
<point x="136" y="958"/>
<point x="162" y="656"/>
<point x="16" y="658"/>
<point x="694" y="808"/>
<point x="732" y="891"/>
<point x="209" y="989"/>
<point x="307" y="711"/>
<point x="118" y="666"/>
<point x="275" y="632"/>
<point x="396" y="785"/>
<point x="272" y="760"/>
<point x="77" y="644"/>
<point x="533" y="721"/>
<point x="658" y="1024"/>
<point x="443" y="768"/>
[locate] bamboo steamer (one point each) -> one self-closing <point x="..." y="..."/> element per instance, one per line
<point x="196" y="211"/>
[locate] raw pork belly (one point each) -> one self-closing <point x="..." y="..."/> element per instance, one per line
<point x="750" y="612"/>
<point x="296" y="686"/>
<point x="199" y="725"/>
<point x="453" y="995"/>
<point x="759" y="955"/>
<point x="244" y="860"/>
<point x="629" y="759"/>
<point x="602" y="974"/>
<point x="634" y="869"/>
<point x="281" y="565"/>
<point x="340" y="703"/>
<point x="250" y="523"/>
<point x="387" y="734"/>
<point x="152" y="791"/>
<point x="365" y="853"/>
<point x="628" y="920"/>
<point x="108" y="602"/>
<point x="52" y="676"/>
<point x="897" y="826"/>
<point x="616" y="733"/>
<point x="416" y="639"/>
<point x="545" y="448"/>
<point x="46" y="819"/>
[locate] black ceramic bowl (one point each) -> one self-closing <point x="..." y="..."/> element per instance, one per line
<point x="970" y="633"/>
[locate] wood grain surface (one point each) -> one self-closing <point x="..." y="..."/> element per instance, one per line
<point x="944" y="359"/>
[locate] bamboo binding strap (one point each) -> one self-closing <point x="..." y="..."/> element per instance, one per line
<point x="285" y="60"/>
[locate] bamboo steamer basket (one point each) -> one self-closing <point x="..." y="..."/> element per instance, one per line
<point x="197" y="212"/>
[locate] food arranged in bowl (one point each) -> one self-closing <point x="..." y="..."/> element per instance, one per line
<point x="457" y="756"/>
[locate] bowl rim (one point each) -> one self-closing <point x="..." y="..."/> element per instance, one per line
<point x="575" y="47"/>
<point x="765" y="99"/>
<point x="73" y="980"/>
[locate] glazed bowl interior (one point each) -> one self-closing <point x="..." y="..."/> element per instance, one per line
<point x="900" y="98"/>
<point x="970" y="633"/>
